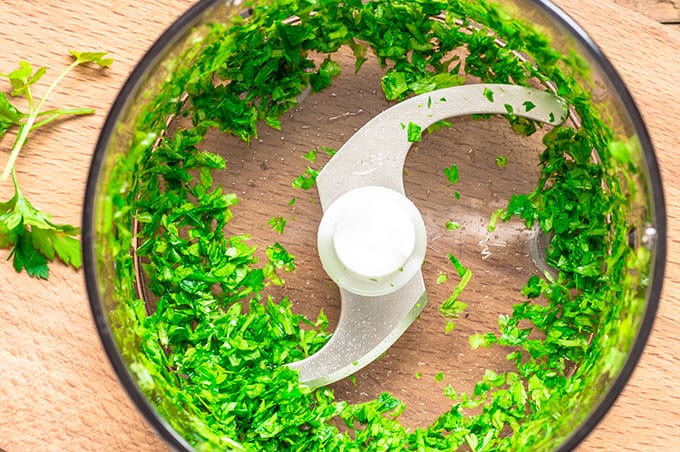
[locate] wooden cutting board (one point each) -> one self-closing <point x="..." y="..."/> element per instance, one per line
<point x="57" y="390"/>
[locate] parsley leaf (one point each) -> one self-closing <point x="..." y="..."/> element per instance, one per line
<point x="414" y="132"/>
<point x="451" y="174"/>
<point x="33" y="238"/>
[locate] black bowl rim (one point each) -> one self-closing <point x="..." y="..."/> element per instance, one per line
<point x="160" y="425"/>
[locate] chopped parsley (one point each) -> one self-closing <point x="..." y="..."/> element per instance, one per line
<point x="501" y="161"/>
<point x="414" y="132"/>
<point x="451" y="174"/>
<point x="211" y="356"/>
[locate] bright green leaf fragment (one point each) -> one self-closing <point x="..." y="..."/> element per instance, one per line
<point x="414" y="132"/>
<point x="509" y="108"/>
<point x="277" y="223"/>
<point x="493" y="221"/>
<point x="442" y="278"/>
<point x="488" y="93"/>
<point x="419" y="375"/>
<point x="22" y="78"/>
<point x="451" y="226"/>
<point x="451" y="307"/>
<point x="98" y="58"/>
<point x="307" y="180"/>
<point x="328" y="70"/>
<point x="437" y="126"/>
<point x="394" y="85"/>
<point x="622" y="151"/>
<point x="311" y="155"/>
<point x="501" y="161"/>
<point x="482" y="340"/>
<point x="460" y="268"/>
<point x="528" y="106"/>
<point x="9" y="114"/>
<point x="34" y="238"/>
<point x="439" y="376"/>
<point x="450" y="326"/>
<point x="328" y="151"/>
<point x="451" y="174"/>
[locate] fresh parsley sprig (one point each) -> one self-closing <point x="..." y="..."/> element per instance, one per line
<point x="33" y="238"/>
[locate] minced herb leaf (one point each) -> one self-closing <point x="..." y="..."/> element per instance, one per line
<point x="307" y="180"/>
<point x="488" y="93"/>
<point x="414" y="132"/>
<point x="493" y="221"/>
<point x="451" y="174"/>
<point x="437" y="126"/>
<point x="451" y="226"/>
<point x="311" y="155"/>
<point x="278" y="223"/>
<point x="501" y="161"/>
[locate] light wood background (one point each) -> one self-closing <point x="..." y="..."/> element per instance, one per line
<point x="57" y="390"/>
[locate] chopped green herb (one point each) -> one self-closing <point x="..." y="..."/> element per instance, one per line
<point x="278" y="223"/>
<point x="451" y="174"/>
<point x="437" y="126"/>
<point x="528" y="106"/>
<point x="442" y="278"/>
<point x="493" y="221"/>
<point x="419" y="375"/>
<point x="450" y="326"/>
<point x="451" y="226"/>
<point x="488" y="93"/>
<point x="305" y="181"/>
<point x="414" y="133"/>
<point x="509" y="108"/>
<point x="439" y="377"/>
<point x="501" y="161"/>
<point x="328" y="151"/>
<point x="311" y="155"/>
<point x="482" y="340"/>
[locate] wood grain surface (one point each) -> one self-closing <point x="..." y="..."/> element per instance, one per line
<point x="57" y="390"/>
<point x="663" y="11"/>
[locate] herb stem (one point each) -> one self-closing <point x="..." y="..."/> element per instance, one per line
<point x="59" y="113"/>
<point x="26" y="127"/>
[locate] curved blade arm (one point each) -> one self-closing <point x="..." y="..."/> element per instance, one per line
<point x="375" y="156"/>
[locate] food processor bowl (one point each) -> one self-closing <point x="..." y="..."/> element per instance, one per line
<point x="454" y="206"/>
